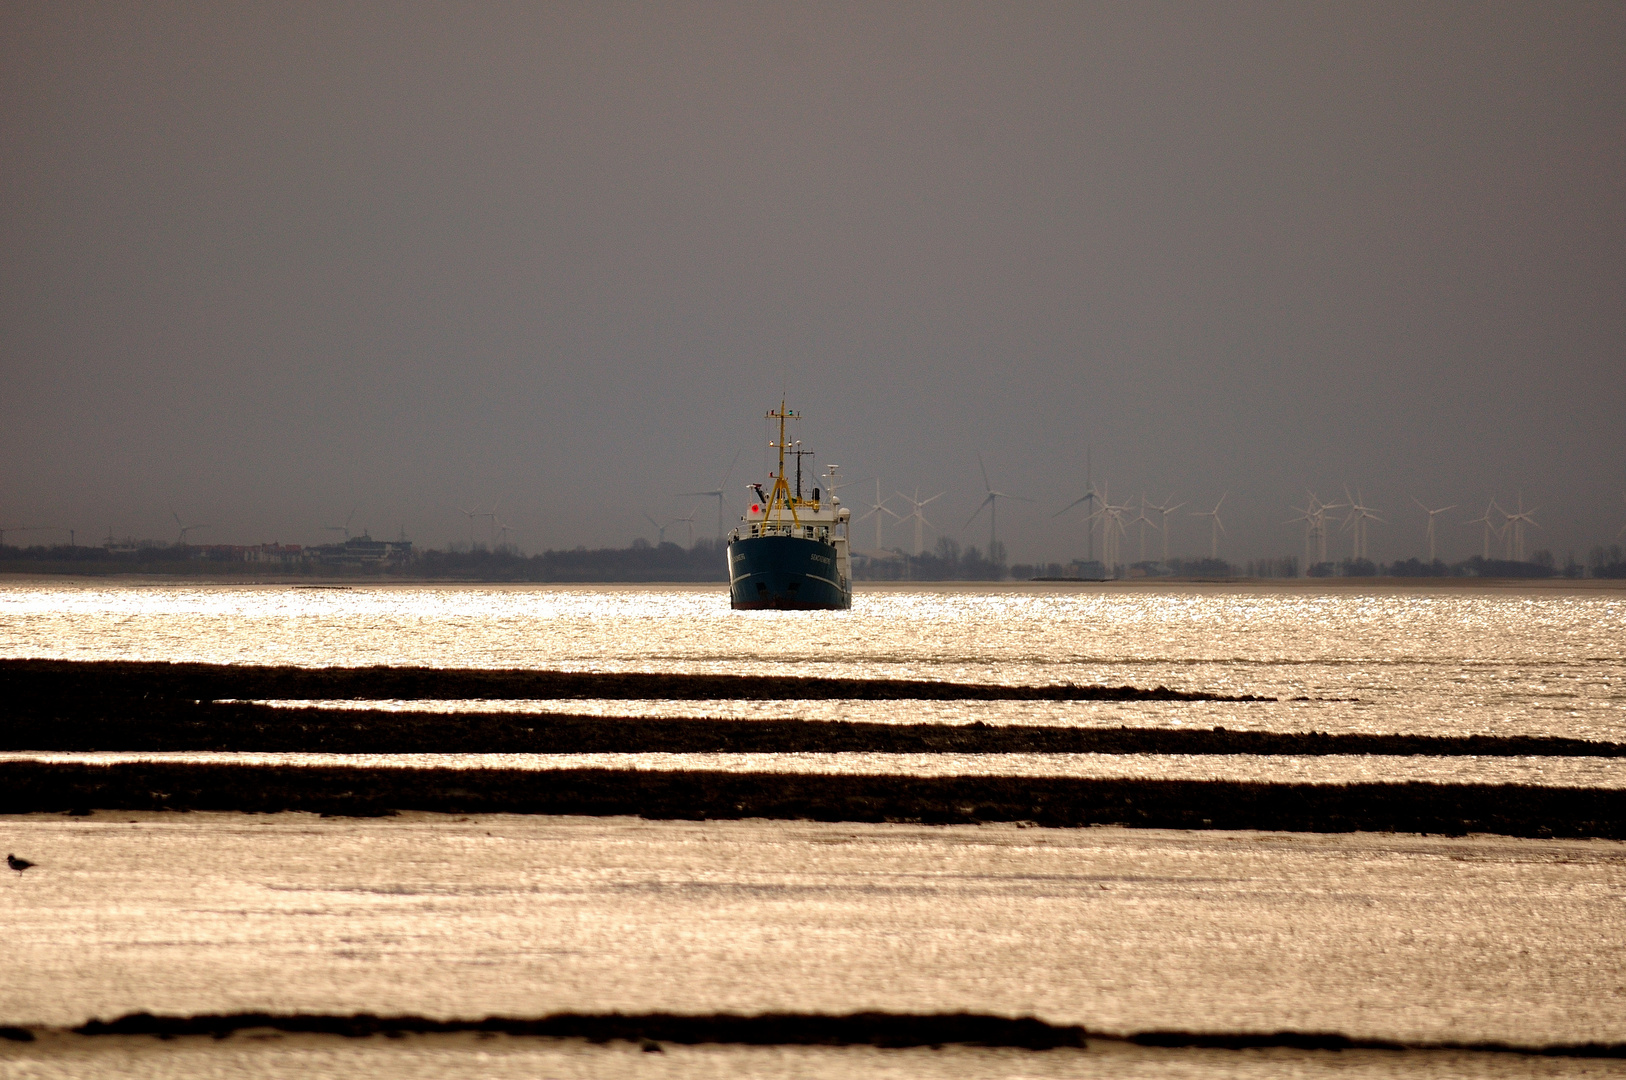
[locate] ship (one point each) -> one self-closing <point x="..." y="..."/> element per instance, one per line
<point x="791" y="551"/>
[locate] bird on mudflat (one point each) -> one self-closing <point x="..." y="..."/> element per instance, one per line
<point x="17" y="864"/>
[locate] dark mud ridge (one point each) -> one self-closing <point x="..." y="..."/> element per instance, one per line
<point x="25" y="680"/>
<point x="71" y="724"/>
<point x="1452" y="809"/>
<point x="881" y="1029"/>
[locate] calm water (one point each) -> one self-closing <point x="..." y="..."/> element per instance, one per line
<point x="1444" y="661"/>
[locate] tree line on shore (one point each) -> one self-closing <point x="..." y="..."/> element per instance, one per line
<point x="705" y="561"/>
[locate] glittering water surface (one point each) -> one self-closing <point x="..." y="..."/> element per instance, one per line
<point x="1436" y="661"/>
<point x="1117" y="929"/>
<point x="1400" y="937"/>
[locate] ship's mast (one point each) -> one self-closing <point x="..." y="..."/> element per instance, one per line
<point x="781" y="490"/>
<point x="799" y="454"/>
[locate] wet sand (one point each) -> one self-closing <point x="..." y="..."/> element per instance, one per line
<point x="71" y="723"/>
<point x="43" y="680"/>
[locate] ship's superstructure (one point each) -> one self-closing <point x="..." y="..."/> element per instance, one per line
<point x="790" y="549"/>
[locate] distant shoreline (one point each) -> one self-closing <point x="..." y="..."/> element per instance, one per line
<point x="36" y="576"/>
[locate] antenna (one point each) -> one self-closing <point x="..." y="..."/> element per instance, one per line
<point x="798" y="453"/>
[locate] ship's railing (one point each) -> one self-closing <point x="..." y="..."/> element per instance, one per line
<point x="757" y="528"/>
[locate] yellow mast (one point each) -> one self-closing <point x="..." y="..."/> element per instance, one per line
<point x="781" y="490"/>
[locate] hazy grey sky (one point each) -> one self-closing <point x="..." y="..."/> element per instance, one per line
<point x="262" y="262"/>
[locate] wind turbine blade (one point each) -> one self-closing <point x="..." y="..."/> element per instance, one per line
<point x="729" y="474"/>
<point x="1075" y="502"/>
<point x="976" y="512"/>
<point x="986" y="486"/>
<point x="1220" y="503"/>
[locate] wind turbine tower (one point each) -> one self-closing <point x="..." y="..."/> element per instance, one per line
<point x="1359" y="515"/>
<point x="1142" y="520"/>
<point x="1490" y="526"/>
<point x="991" y="501"/>
<point x="877" y="509"/>
<point x="1517" y="522"/>
<point x="1218" y="526"/>
<point x="1112" y="531"/>
<point x="1090" y="515"/>
<point x="471" y="513"/>
<point x="1166" y="510"/>
<point x="719" y="492"/>
<point x="1431" y="513"/>
<point x="917" y="516"/>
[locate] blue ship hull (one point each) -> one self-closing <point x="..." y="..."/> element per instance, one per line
<point x="786" y="573"/>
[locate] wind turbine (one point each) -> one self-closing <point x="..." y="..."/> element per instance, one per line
<point x="992" y="502"/>
<point x="1112" y="530"/>
<point x="719" y="493"/>
<point x="181" y="541"/>
<point x="1490" y="527"/>
<point x="689" y="521"/>
<point x="502" y="529"/>
<point x="1143" y="521"/>
<point x="345" y="528"/>
<point x="876" y="509"/>
<point x="916" y="516"/>
<point x="1314" y="516"/>
<point x="1431" y="513"/>
<point x="1090" y="497"/>
<point x="1218" y="527"/>
<point x="1358" y="517"/>
<point x="1518" y="522"/>
<point x="660" y="530"/>
<point x="1166" y="510"/>
<point x="471" y="513"/>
